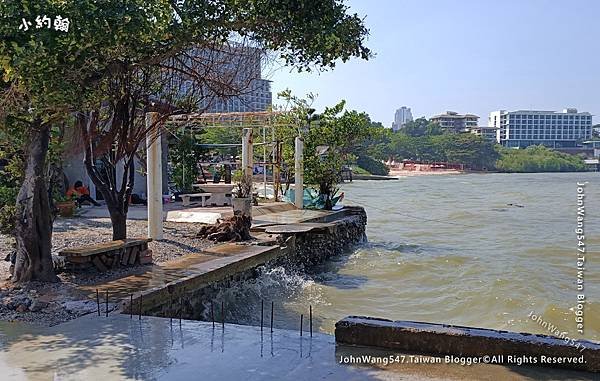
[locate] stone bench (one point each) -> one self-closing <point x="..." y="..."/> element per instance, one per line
<point x="107" y="255"/>
<point x="186" y="198"/>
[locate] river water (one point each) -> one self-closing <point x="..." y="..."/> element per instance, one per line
<point x="481" y="250"/>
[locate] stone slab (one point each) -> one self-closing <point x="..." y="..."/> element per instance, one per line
<point x="297" y="228"/>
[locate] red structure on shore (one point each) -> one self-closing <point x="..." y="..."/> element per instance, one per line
<point x="412" y="165"/>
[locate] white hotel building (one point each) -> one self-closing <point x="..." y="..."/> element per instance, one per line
<point x="519" y="129"/>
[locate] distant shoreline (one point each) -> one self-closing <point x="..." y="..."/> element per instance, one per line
<point x="405" y="173"/>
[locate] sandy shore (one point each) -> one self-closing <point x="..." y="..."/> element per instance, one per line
<point x="404" y="173"/>
<point x="50" y="304"/>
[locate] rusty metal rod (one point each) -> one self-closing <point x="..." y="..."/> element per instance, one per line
<point x="262" y="309"/>
<point x="180" y="310"/>
<point x="272" y="309"/>
<point x="310" y="311"/>
<point x="106" y="303"/>
<point x="131" y="306"/>
<point x="98" y="300"/>
<point x="301" y="320"/>
<point x="140" y="311"/>
<point x="223" y="313"/>
<point x="212" y="313"/>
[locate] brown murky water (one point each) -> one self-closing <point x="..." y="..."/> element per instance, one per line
<point x="452" y="249"/>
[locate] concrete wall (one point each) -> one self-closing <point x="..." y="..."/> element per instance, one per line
<point x="438" y="339"/>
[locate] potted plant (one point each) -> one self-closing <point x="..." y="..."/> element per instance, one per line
<point x="242" y="195"/>
<point x="65" y="205"/>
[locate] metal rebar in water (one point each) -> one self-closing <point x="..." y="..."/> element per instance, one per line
<point x="262" y="309"/>
<point x="212" y="313"/>
<point x="131" y="306"/>
<point x="140" y="311"/>
<point x="180" y="310"/>
<point x="301" y="320"/>
<point x="223" y="313"/>
<point x="106" y="303"/>
<point x="310" y="312"/>
<point x="98" y="300"/>
<point x="272" y="309"/>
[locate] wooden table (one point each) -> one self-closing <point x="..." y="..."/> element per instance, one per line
<point x="220" y="193"/>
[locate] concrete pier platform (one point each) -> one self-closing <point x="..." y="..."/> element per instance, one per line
<point x="120" y="348"/>
<point x="176" y="212"/>
<point x="281" y="235"/>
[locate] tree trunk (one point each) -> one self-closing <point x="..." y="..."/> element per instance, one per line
<point x="119" y="223"/>
<point x="117" y="200"/>
<point x="34" y="221"/>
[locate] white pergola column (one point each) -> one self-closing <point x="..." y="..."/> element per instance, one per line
<point x="299" y="173"/>
<point x="154" y="177"/>
<point x="247" y="154"/>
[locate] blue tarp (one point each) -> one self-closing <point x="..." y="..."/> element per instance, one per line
<point x="311" y="198"/>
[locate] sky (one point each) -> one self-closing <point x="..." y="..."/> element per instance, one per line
<point x="468" y="56"/>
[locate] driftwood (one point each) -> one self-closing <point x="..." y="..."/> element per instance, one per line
<point x="232" y="229"/>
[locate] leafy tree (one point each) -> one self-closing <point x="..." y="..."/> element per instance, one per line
<point x="421" y="127"/>
<point x="48" y="74"/>
<point x="329" y="144"/>
<point x="473" y="151"/>
<point x="538" y="159"/>
<point x="184" y="154"/>
<point x="374" y="167"/>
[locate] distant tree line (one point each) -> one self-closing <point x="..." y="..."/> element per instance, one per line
<point x="422" y="140"/>
<point x="537" y="159"/>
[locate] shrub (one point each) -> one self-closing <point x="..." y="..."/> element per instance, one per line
<point x="373" y="166"/>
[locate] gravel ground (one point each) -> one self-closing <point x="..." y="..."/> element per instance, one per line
<point x="50" y="304"/>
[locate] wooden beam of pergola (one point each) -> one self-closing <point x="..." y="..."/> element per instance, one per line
<point x="229" y="119"/>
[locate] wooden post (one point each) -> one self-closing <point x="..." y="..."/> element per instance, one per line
<point x="154" y="178"/>
<point x="299" y="173"/>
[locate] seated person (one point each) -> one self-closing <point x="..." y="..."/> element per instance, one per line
<point x="81" y="193"/>
<point x="136" y="199"/>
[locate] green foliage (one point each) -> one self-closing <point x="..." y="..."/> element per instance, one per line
<point x="538" y="159"/>
<point x="223" y="136"/>
<point x="56" y="68"/>
<point x="422" y="127"/>
<point x="7" y="219"/>
<point x="243" y="185"/>
<point x="11" y="172"/>
<point x="184" y="154"/>
<point x="468" y="149"/>
<point x="341" y="135"/>
<point x="374" y="167"/>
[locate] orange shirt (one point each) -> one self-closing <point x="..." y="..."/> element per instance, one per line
<point x="79" y="191"/>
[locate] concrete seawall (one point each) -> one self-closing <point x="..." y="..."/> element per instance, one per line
<point x="443" y="340"/>
<point x="296" y="245"/>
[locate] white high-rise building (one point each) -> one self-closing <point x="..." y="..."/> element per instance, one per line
<point x="519" y="129"/>
<point x="403" y="115"/>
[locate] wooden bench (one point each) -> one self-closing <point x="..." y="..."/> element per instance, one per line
<point x="107" y="255"/>
<point x="187" y="197"/>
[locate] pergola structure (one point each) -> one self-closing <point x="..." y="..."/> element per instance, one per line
<point x="247" y="121"/>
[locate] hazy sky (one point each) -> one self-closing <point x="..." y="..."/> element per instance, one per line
<point x="471" y="56"/>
